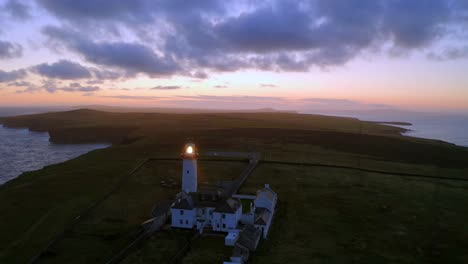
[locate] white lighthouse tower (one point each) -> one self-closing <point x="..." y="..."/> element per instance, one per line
<point x="189" y="170"/>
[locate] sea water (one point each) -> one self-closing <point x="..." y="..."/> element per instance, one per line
<point x="22" y="150"/>
<point x="451" y="128"/>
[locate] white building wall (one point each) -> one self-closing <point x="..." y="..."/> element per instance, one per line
<point x="205" y="214"/>
<point x="189" y="175"/>
<point x="183" y="218"/>
<point x="228" y="222"/>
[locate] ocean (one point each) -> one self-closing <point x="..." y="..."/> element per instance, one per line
<point x="22" y="150"/>
<point x="451" y="128"/>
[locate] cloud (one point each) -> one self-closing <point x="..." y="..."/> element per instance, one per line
<point x="133" y="97"/>
<point x="132" y="57"/>
<point x="63" y="69"/>
<point x="451" y="53"/>
<point x="295" y="35"/>
<point x="413" y="24"/>
<point x="102" y="75"/>
<point x="99" y="10"/>
<point x="9" y="50"/>
<point x="20" y="84"/>
<point x="173" y="37"/>
<point x="17" y="9"/>
<point x="199" y="75"/>
<point x="268" y="85"/>
<point x="220" y="86"/>
<point x="52" y="86"/>
<point x="233" y="98"/>
<point x="76" y="87"/>
<point x="167" y="87"/>
<point x="8" y="76"/>
<point x="133" y="12"/>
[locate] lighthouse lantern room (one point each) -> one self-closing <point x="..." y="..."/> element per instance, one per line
<point x="189" y="169"/>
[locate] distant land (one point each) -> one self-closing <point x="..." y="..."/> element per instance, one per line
<point x="393" y="123"/>
<point x="121" y="109"/>
<point x="448" y="127"/>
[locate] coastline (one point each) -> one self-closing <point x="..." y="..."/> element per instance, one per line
<point x="23" y="150"/>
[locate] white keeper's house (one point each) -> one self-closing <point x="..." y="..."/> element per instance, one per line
<point x="212" y="210"/>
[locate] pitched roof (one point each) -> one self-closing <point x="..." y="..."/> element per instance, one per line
<point x="229" y="206"/>
<point x="185" y="202"/>
<point x="249" y="237"/>
<point x="201" y="199"/>
<point x="262" y="216"/>
<point x="267" y="192"/>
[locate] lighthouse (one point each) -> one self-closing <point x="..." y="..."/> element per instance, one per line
<point x="189" y="168"/>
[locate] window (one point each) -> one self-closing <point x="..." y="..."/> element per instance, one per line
<point x="188" y="171"/>
<point x="223" y="216"/>
<point x="217" y="225"/>
<point x="224" y="225"/>
<point x="181" y="221"/>
<point x="181" y="212"/>
<point x="186" y="222"/>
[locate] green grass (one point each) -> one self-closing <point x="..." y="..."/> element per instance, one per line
<point x="336" y="216"/>
<point x="160" y="248"/>
<point x="325" y="215"/>
<point x="208" y="249"/>
<point x="116" y="222"/>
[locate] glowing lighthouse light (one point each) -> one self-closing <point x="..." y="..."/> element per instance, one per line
<point x="189" y="150"/>
<point x="189" y="168"/>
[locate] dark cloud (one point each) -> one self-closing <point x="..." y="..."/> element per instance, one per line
<point x="268" y="29"/>
<point x="9" y="50"/>
<point x="101" y="75"/>
<point x="68" y="70"/>
<point x="8" y="76"/>
<point x="134" y="11"/>
<point x="63" y="69"/>
<point x="134" y="58"/>
<point x="20" y="84"/>
<point x="177" y="36"/>
<point x="199" y="75"/>
<point x="167" y="87"/>
<point x="17" y="9"/>
<point x="413" y="24"/>
<point x="52" y="86"/>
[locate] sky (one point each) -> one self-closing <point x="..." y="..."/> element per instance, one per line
<point x="298" y="55"/>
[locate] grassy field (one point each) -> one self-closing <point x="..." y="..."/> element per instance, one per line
<point x="326" y="215"/>
<point x="336" y="216"/>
